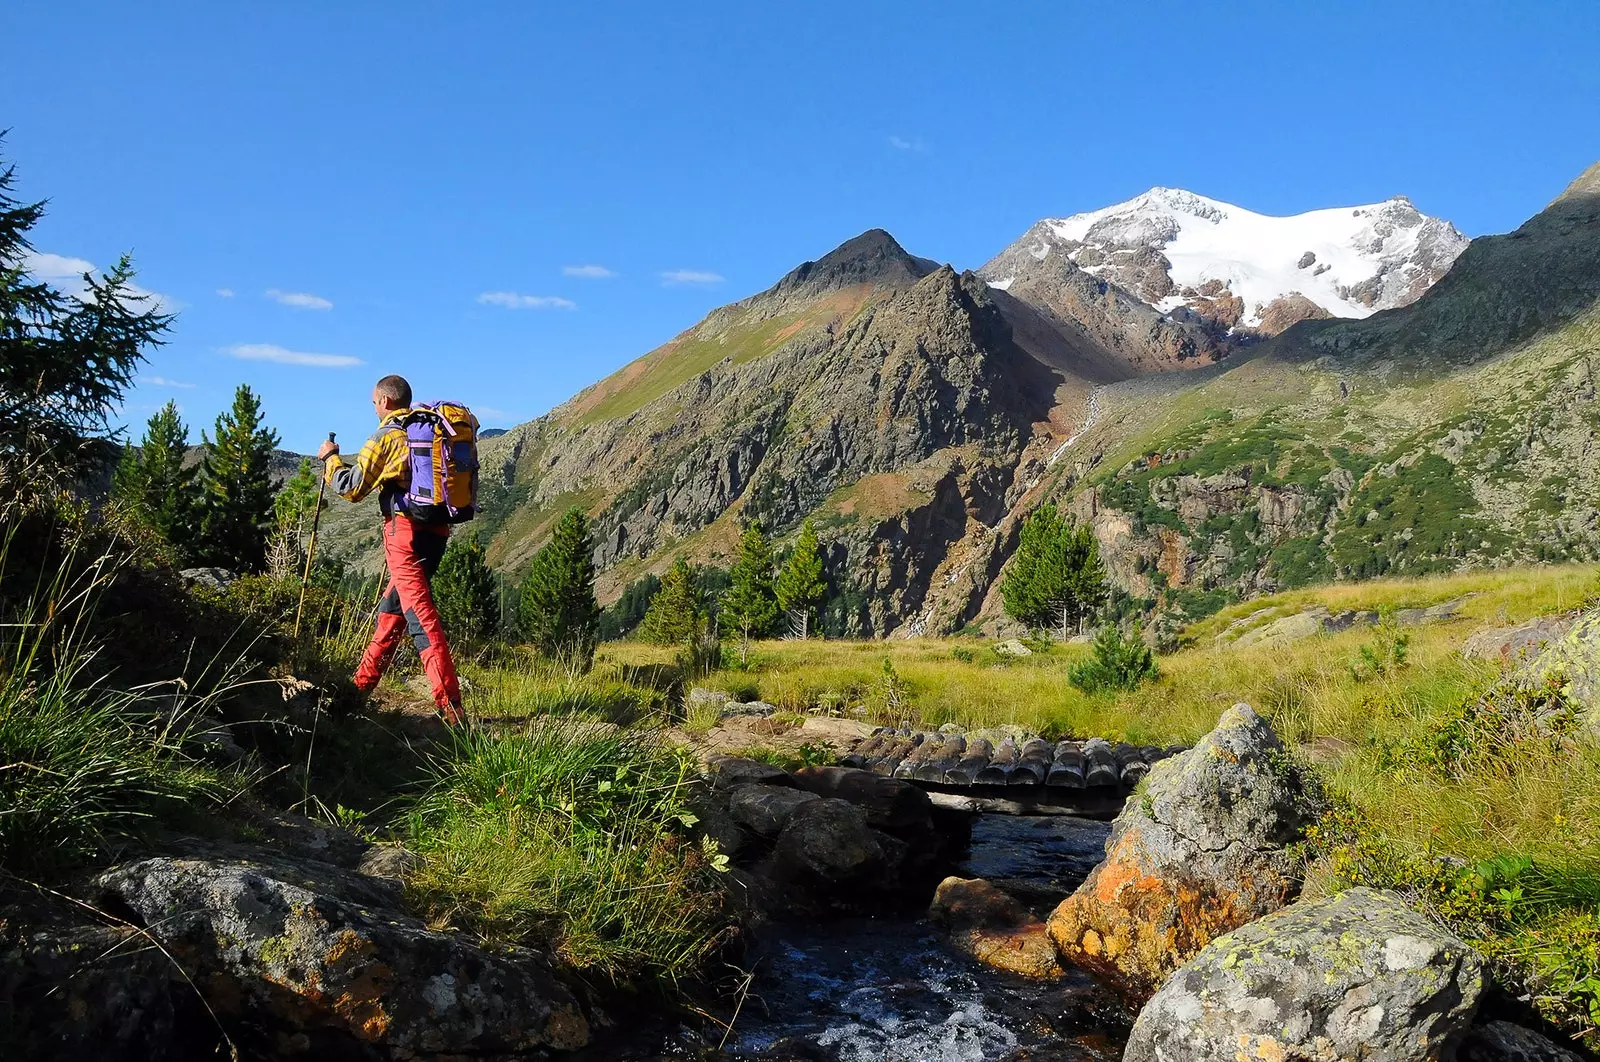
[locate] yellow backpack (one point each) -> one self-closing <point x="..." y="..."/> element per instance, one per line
<point x="443" y="439"/>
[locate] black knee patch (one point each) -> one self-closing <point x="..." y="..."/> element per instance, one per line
<point x="419" y="637"/>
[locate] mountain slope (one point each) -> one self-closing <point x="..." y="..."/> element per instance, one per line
<point x="1188" y="255"/>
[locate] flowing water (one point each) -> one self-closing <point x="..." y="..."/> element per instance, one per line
<point x="890" y="989"/>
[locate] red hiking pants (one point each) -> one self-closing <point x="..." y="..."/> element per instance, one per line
<point x="413" y="551"/>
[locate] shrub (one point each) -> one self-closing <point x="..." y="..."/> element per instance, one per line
<point x="573" y="834"/>
<point x="1119" y="662"/>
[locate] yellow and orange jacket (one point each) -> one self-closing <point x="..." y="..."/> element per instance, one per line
<point x="384" y="461"/>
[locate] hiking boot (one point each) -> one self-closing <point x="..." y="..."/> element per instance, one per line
<point x="453" y="715"/>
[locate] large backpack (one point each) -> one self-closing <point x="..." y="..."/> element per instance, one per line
<point x="443" y="439"/>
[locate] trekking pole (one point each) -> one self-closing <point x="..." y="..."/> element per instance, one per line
<point x="311" y="547"/>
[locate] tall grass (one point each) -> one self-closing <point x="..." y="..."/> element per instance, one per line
<point x="571" y="831"/>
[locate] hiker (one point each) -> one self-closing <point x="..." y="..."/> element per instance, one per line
<point x="411" y="547"/>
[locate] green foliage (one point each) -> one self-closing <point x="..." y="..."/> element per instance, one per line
<point x="467" y="593"/>
<point x="807" y="755"/>
<point x="1300" y="562"/>
<point x="296" y="501"/>
<point x="1056" y="578"/>
<point x="1118" y="662"/>
<point x="65" y="361"/>
<point x="623" y="616"/>
<point x="558" y="612"/>
<point x="1492" y="730"/>
<point x="800" y="586"/>
<point x="153" y="483"/>
<point x="1420" y="518"/>
<point x="678" y="609"/>
<point x="575" y="835"/>
<point x="750" y="604"/>
<point x="237" y="487"/>
<point x="1385" y="654"/>
<point x="893" y="694"/>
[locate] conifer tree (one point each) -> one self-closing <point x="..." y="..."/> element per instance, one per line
<point x="64" y="360"/>
<point x="296" y="501"/>
<point x="558" y="612"/>
<point x="800" y="586"/>
<point x="153" y="482"/>
<point x="677" y="610"/>
<point x="467" y="593"/>
<point x="237" y="486"/>
<point x="750" y="604"/>
<point x="1056" y="577"/>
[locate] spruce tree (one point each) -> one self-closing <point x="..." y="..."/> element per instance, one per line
<point x="153" y="482"/>
<point x="295" y="504"/>
<point x="1056" y="577"/>
<point x="237" y="485"/>
<point x="65" y="360"/>
<point x="801" y="587"/>
<point x="558" y="612"/>
<point x="467" y="593"/>
<point x="677" y="610"/>
<point x="750" y="604"/>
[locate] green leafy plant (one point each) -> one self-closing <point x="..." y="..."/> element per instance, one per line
<point x="1118" y="662"/>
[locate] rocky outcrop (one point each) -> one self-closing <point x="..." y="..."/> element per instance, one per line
<point x="1203" y="849"/>
<point x="992" y="927"/>
<point x="1501" y="1041"/>
<point x="1359" y="976"/>
<point x="320" y="961"/>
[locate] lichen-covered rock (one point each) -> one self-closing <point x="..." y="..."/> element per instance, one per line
<point x="1204" y="848"/>
<point x="765" y="809"/>
<point x="309" y="951"/>
<point x="1501" y="1041"/>
<point x="991" y="926"/>
<point x="1359" y="976"/>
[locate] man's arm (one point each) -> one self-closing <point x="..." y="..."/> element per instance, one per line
<point x="382" y="457"/>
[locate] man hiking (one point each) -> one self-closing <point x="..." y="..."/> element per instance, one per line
<point x="412" y="549"/>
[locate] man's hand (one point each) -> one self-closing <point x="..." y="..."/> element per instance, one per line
<point x="327" y="450"/>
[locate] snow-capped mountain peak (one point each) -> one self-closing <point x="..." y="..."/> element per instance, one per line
<point x="1184" y="253"/>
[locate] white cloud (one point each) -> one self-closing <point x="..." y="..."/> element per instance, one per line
<point x="162" y="381"/>
<point x="269" y="352"/>
<point x="690" y="276"/>
<point x="300" y="300"/>
<point x="226" y="293"/>
<point x="588" y="272"/>
<point x="67" y="274"/>
<point x="513" y="301"/>
<point x="900" y="143"/>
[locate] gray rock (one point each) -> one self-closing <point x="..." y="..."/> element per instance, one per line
<point x="1359" y="976"/>
<point x="766" y="809"/>
<point x="1203" y="849"/>
<point x="828" y="844"/>
<point x="1519" y="644"/>
<point x="390" y="862"/>
<point x="728" y="771"/>
<point x="756" y="708"/>
<point x="1012" y="647"/>
<point x="1500" y="1041"/>
<point x="307" y="950"/>
<point x="209" y="578"/>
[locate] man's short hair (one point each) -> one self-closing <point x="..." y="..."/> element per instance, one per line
<point x="395" y="389"/>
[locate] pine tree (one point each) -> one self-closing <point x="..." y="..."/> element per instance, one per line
<point x="467" y="593"/>
<point x="153" y="482"/>
<point x="296" y="501"/>
<point x="1056" y="577"/>
<point x="677" y="610"/>
<point x="800" y="586"/>
<point x="237" y="486"/>
<point x="64" y="361"/>
<point x="558" y="612"/>
<point x="750" y="605"/>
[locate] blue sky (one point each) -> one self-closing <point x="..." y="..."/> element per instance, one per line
<point x="506" y="201"/>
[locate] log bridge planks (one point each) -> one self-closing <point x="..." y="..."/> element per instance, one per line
<point x="1066" y="772"/>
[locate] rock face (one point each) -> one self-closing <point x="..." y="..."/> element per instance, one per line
<point x="992" y="927"/>
<point x="1501" y="1041"/>
<point x="325" y="959"/>
<point x="1359" y="976"/>
<point x="1202" y="850"/>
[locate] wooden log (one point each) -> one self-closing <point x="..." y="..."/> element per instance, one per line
<point x="891" y="756"/>
<point x="927" y="745"/>
<point x="1067" y="770"/>
<point x="1000" y="765"/>
<point x="1101" y="765"/>
<point x="975" y="759"/>
<point x="867" y="749"/>
<point x="1131" y="764"/>
<point x="950" y="752"/>
<point x="1033" y="763"/>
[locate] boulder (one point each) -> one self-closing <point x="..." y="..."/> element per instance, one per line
<point x="1558" y="650"/>
<point x="1012" y="647"/>
<point x="765" y="809"/>
<point x="992" y="927"/>
<point x="728" y="771"/>
<point x="1359" y="976"/>
<point x="891" y="804"/>
<point x="323" y="956"/>
<point x="217" y="579"/>
<point x="828" y="846"/>
<point x="1202" y="849"/>
<point x="1501" y="1041"/>
<point x="1520" y="644"/>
